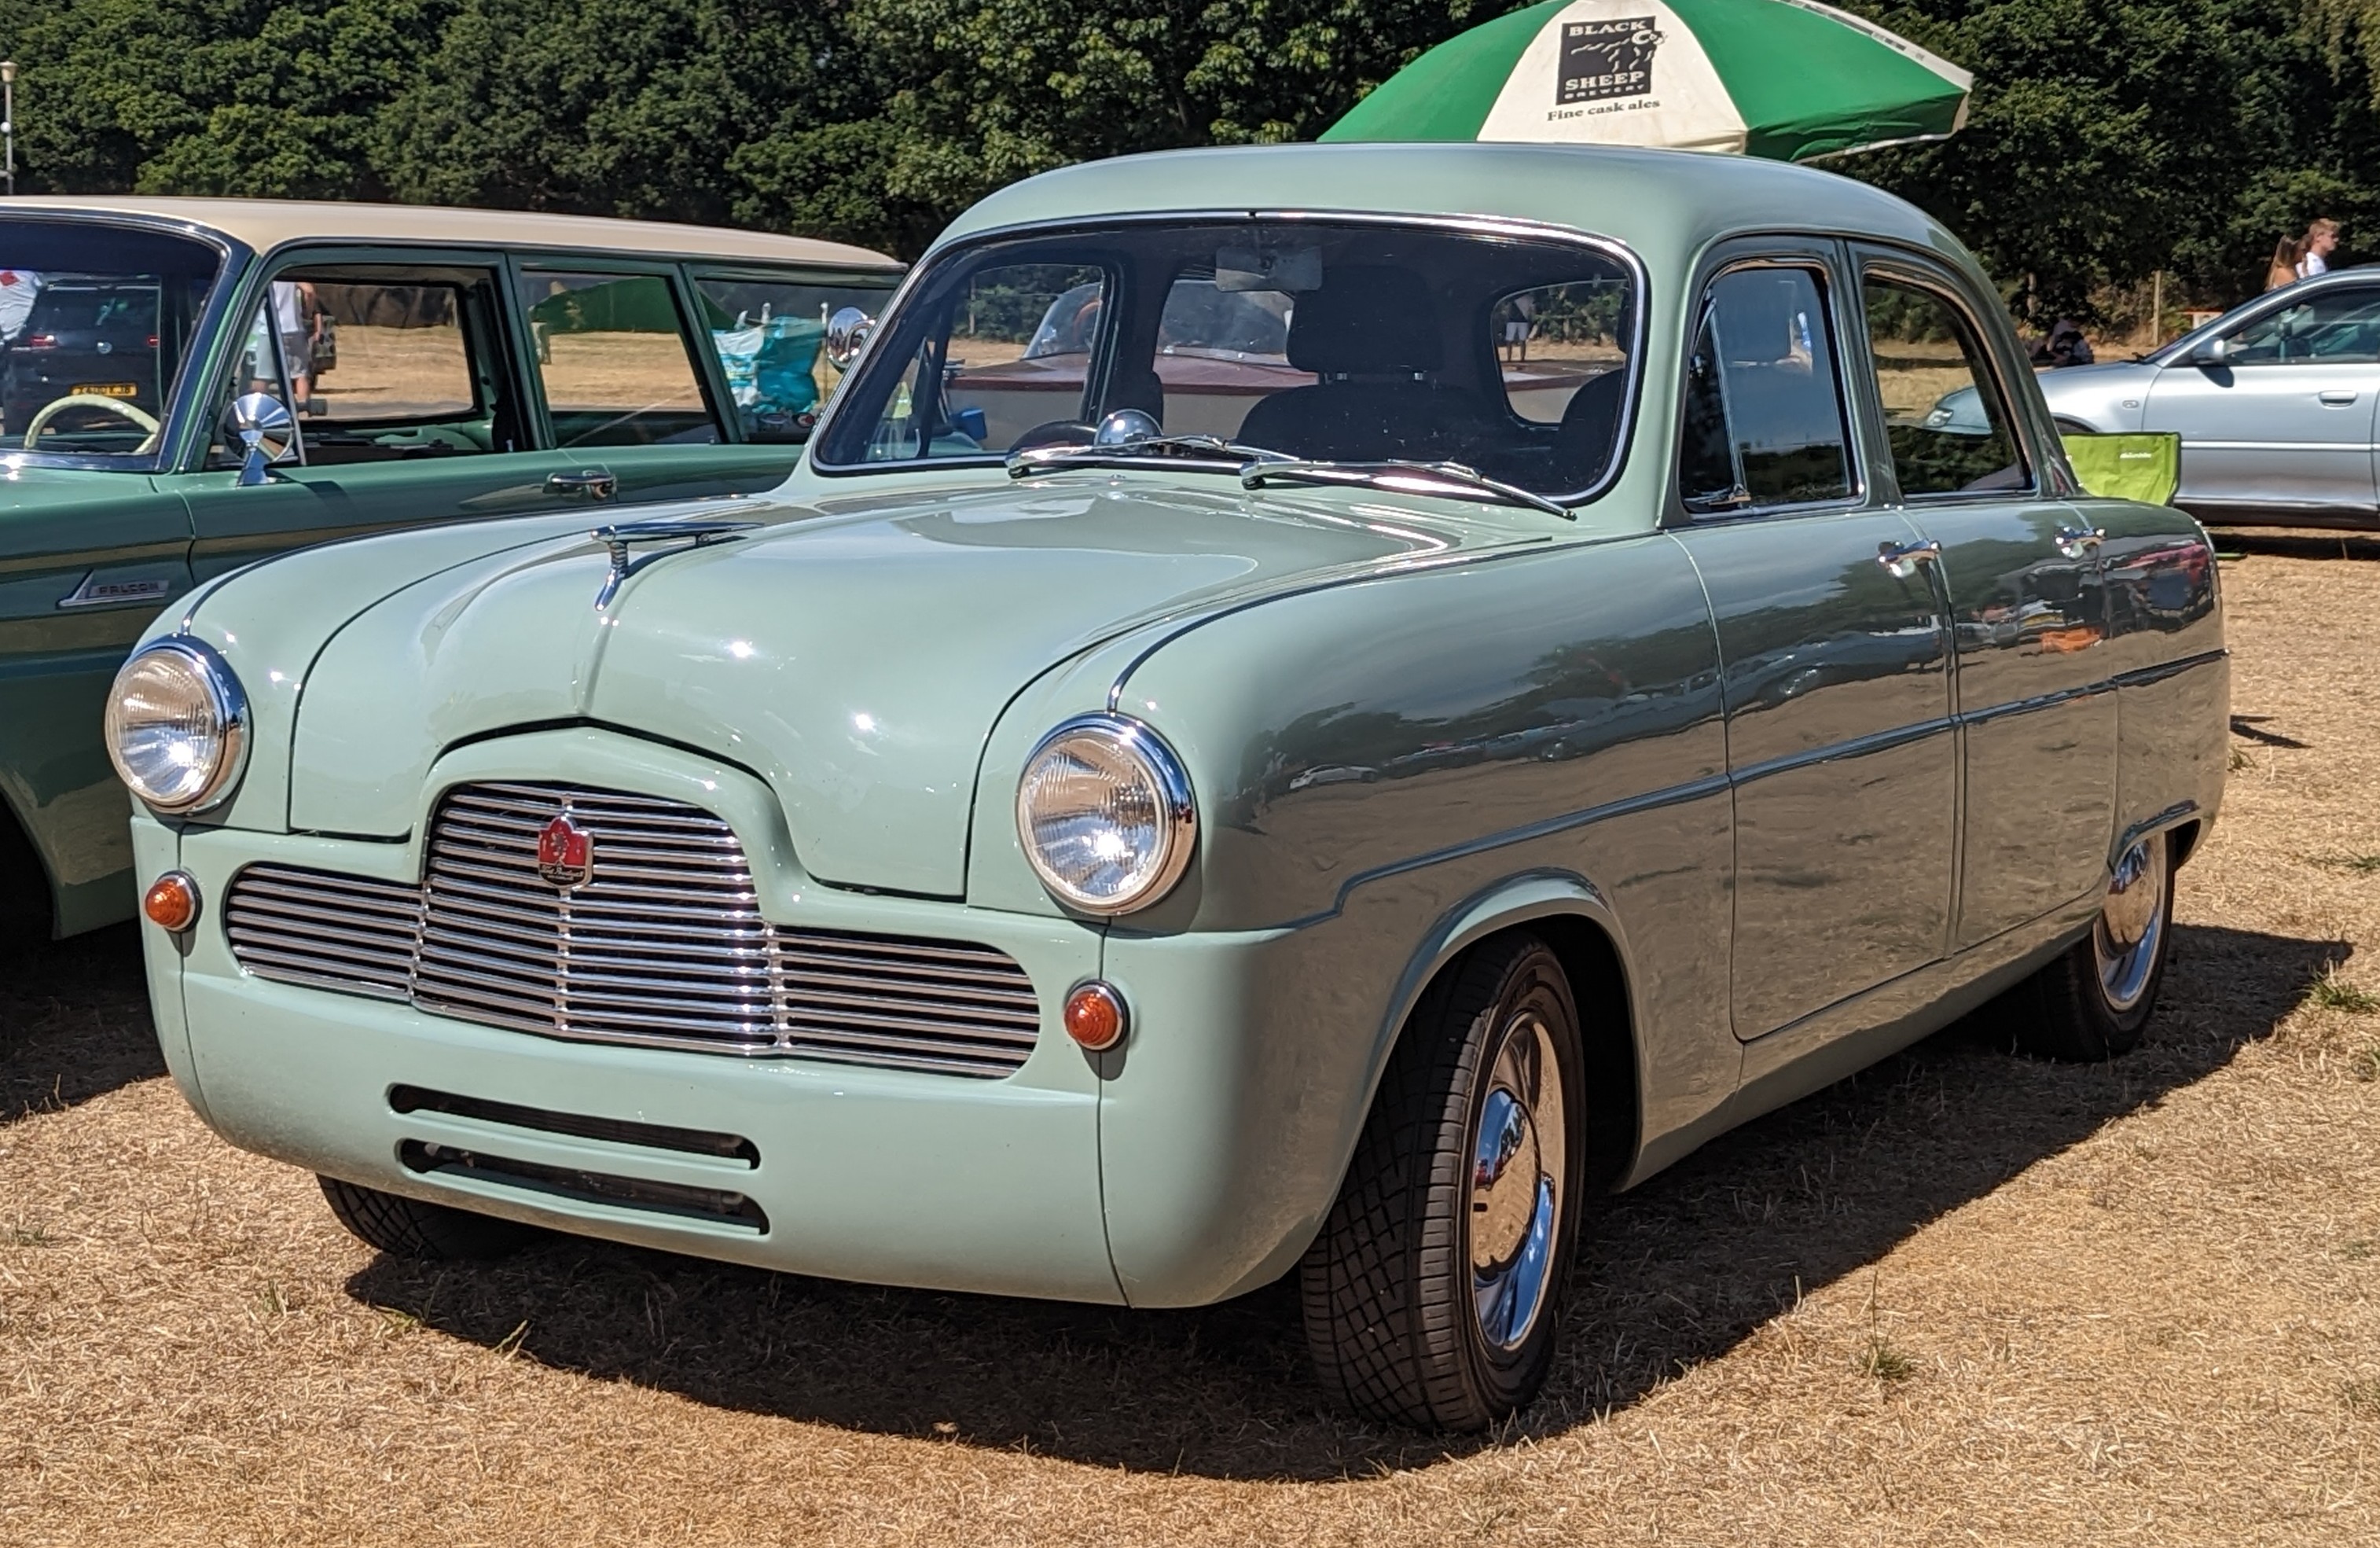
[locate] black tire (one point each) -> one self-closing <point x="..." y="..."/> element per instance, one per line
<point x="2073" y="1009"/>
<point x="411" y="1228"/>
<point x="2071" y="427"/>
<point x="1388" y="1286"/>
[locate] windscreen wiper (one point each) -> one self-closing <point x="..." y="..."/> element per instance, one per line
<point x="1033" y="459"/>
<point x="1412" y="478"/>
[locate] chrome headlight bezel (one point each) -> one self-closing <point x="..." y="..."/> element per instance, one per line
<point x="226" y="703"/>
<point x="1134" y="744"/>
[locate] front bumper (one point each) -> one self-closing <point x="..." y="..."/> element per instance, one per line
<point x="1228" y="1115"/>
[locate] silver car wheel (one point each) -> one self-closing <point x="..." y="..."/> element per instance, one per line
<point x="2132" y="925"/>
<point x="1517" y="1172"/>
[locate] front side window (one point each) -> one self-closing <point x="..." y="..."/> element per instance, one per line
<point x="2338" y="327"/>
<point x="617" y="366"/>
<point x="1950" y="430"/>
<point x="1338" y="343"/>
<point x="766" y="334"/>
<point x="1763" y="423"/>
<point x="95" y="326"/>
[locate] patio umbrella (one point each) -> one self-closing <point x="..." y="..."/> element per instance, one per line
<point x="1788" y="79"/>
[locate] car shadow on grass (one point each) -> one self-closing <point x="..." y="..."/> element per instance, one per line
<point x="1675" y="1274"/>
<point x="2297" y="542"/>
<point x="74" y="1021"/>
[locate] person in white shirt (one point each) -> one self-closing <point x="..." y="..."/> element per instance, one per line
<point x="18" y="289"/>
<point x="293" y="318"/>
<point x="2320" y="240"/>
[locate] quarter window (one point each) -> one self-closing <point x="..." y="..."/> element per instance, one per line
<point x="1764" y="408"/>
<point x="1943" y="411"/>
<point x="614" y="358"/>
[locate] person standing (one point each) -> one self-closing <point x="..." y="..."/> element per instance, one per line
<point x="294" y="319"/>
<point x="2321" y="242"/>
<point x="17" y="289"/>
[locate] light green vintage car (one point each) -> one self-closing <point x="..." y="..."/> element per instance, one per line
<point x="1307" y="709"/>
<point x="415" y="365"/>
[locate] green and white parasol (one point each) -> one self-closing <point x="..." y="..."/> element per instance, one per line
<point x="1788" y="79"/>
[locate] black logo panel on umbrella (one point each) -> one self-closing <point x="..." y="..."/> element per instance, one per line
<point x="1606" y="59"/>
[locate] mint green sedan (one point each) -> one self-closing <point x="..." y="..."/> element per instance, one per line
<point x="417" y="365"/>
<point x="1306" y="710"/>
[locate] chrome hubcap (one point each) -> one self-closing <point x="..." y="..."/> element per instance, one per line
<point x="1517" y="1183"/>
<point x="2132" y="924"/>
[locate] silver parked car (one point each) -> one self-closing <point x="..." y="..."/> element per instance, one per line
<point x="2274" y="402"/>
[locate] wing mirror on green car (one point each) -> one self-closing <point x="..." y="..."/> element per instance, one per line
<point x="846" y="332"/>
<point x="263" y="424"/>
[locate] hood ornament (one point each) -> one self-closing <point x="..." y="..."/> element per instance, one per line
<point x="691" y="534"/>
<point x="566" y="853"/>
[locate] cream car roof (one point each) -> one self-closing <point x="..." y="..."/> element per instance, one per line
<point x="265" y="225"/>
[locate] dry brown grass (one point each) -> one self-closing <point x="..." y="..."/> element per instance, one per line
<point x="1963" y="1299"/>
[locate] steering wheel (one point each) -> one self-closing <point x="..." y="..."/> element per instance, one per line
<point x="51" y="410"/>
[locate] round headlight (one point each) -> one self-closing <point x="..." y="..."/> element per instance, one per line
<point x="1105" y="814"/>
<point x="177" y="726"/>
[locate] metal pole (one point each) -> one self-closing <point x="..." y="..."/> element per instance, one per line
<point x="9" y="118"/>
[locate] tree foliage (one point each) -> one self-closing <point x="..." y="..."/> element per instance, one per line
<point x="2109" y="138"/>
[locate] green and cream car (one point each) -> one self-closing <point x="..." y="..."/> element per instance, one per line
<point x="1305" y="709"/>
<point x="410" y="365"/>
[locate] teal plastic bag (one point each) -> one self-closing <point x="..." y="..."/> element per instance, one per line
<point x="770" y="369"/>
<point x="2144" y="466"/>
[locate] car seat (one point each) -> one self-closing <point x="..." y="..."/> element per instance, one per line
<point x="1372" y="335"/>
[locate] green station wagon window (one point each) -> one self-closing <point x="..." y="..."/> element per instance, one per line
<point x="96" y="321"/>
<point x="1316" y="339"/>
<point x="766" y="335"/>
<point x="612" y="353"/>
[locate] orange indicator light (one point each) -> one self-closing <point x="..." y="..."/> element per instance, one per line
<point x="172" y="902"/>
<point x="1095" y="1016"/>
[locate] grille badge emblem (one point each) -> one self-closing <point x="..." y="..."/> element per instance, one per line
<point x="566" y="853"/>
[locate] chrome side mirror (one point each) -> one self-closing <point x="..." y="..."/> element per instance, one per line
<point x="2214" y="351"/>
<point x="1124" y="426"/>
<point x="846" y="335"/>
<point x="263" y="424"/>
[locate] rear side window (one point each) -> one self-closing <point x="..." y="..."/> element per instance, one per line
<point x="1948" y="425"/>
<point x="766" y="334"/>
<point x="1763" y="407"/>
<point x="614" y="355"/>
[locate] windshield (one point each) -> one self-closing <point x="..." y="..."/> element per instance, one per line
<point x="1325" y="341"/>
<point x="95" y="321"/>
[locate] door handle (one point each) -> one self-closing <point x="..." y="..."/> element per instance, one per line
<point x="593" y="483"/>
<point x="2075" y="541"/>
<point x="1900" y="559"/>
<point x="2338" y="397"/>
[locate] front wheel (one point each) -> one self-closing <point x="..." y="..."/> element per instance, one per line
<point x="2092" y="1002"/>
<point x="1432" y="1294"/>
<point x="414" y="1228"/>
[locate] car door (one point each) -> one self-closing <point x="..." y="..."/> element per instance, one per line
<point x="411" y="409"/>
<point x="1835" y="654"/>
<point x="627" y="393"/>
<point x="90" y="556"/>
<point x="2035" y="708"/>
<point x="2283" y="422"/>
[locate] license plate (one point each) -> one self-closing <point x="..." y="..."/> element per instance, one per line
<point x="109" y="389"/>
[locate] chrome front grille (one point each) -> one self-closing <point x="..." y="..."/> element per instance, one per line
<point x="663" y="945"/>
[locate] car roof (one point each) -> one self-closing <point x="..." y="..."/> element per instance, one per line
<point x="267" y="223"/>
<point x="1659" y="202"/>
